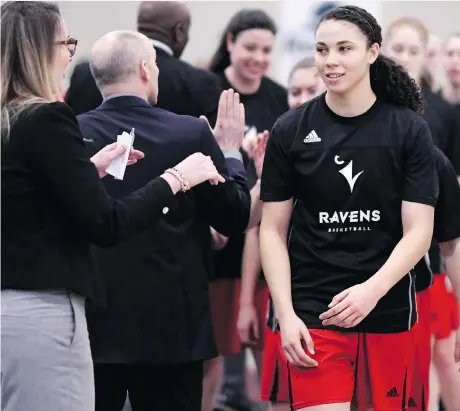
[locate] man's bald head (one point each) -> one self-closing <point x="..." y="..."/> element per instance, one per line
<point x="165" y="21"/>
<point x="116" y="56"/>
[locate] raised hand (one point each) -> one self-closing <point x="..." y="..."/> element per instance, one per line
<point x="229" y="129"/>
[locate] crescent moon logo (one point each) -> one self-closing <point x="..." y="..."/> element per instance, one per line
<point x="347" y="172"/>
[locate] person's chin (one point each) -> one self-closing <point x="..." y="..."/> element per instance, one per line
<point x="254" y="75"/>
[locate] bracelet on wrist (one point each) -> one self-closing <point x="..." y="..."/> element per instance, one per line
<point x="185" y="185"/>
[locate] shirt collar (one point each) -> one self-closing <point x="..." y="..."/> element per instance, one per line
<point x="162" y="46"/>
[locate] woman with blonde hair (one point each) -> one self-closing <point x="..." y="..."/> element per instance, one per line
<point x="53" y="207"/>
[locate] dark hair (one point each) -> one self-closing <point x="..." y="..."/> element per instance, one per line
<point x="389" y="81"/>
<point x="245" y="19"/>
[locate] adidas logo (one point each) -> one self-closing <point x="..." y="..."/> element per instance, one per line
<point x="312" y="138"/>
<point x="411" y="402"/>
<point x="393" y="393"/>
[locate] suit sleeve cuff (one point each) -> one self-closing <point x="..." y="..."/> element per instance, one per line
<point x="233" y="154"/>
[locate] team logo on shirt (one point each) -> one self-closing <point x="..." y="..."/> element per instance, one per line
<point x="349" y="220"/>
<point x="347" y="172"/>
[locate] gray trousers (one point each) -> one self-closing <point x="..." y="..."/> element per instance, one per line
<point x="46" y="357"/>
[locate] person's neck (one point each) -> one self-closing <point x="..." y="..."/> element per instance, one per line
<point x="158" y="35"/>
<point x="353" y="103"/>
<point x="114" y="89"/>
<point x="240" y="84"/>
<point x="452" y="93"/>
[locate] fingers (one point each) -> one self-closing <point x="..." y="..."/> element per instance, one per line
<point x="222" y="109"/>
<point x="215" y="176"/>
<point x="229" y="103"/>
<point x="242" y="118"/>
<point x="337" y="309"/>
<point x="236" y="106"/>
<point x="136" y="155"/>
<point x="110" y="147"/>
<point x="243" y="332"/>
<point x="341" y="318"/>
<point x="116" y="151"/>
<point x="308" y="341"/>
<point x="255" y="328"/>
<point x="339" y="297"/>
<point x="299" y="356"/>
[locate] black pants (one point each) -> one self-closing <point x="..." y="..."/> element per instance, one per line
<point x="150" y="387"/>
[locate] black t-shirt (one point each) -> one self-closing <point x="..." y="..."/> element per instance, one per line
<point x="445" y="130"/>
<point x="446" y="220"/>
<point x="443" y="120"/>
<point x="348" y="178"/>
<point x="262" y="109"/>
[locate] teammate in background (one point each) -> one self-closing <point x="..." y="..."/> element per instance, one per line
<point x="434" y="61"/>
<point x="406" y="42"/>
<point x="241" y="62"/>
<point x="345" y="267"/>
<point x="304" y="84"/>
<point x="451" y="92"/>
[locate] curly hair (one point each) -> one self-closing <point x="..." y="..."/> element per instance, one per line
<point x="245" y="19"/>
<point x="389" y="81"/>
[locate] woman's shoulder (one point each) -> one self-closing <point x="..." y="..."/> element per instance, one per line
<point x="46" y="121"/>
<point x="40" y="114"/>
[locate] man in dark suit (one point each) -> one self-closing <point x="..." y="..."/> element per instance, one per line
<point x="184" y="89"/>
<point x="155" y="331"/>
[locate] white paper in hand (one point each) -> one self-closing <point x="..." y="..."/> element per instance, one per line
<point x="118" y="166"/>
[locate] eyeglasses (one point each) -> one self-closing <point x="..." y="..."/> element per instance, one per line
<point x="71" y="45"/>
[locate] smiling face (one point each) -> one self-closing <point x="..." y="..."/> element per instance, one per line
<point x="343" y="56"/>
<point x="251" y="52"/>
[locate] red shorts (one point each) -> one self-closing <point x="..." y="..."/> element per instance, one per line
<point x="418" y="399"/>
<point x="224" y="298"/>
<point x="444" y="311"/>
<point x="274" y="385"/>
<point x="374" y="371"/>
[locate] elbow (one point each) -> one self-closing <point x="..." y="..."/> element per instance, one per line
<point x="234" y="226"/>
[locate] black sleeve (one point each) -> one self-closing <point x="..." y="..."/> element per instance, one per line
<point x="226" y="206"/>
<point x="420" y="180"/>
<point x="447" y="213"/>
<point x="277" y="174"/>
<point x="58" y="156"/>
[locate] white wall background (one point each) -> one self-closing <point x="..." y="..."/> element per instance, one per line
<point x="88" y="20"/>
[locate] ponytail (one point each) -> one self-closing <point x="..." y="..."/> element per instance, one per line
<point x="392" y="83"/>
<point x="221" y="59"/>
